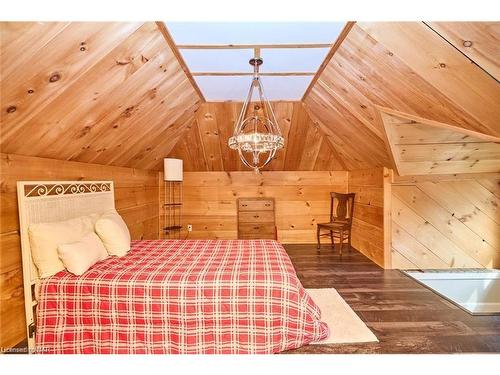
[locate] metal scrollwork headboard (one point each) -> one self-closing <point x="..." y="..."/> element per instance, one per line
<point x="48" y="189"/>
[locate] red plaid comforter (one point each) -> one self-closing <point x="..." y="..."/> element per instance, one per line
<point x="174" y="296"/>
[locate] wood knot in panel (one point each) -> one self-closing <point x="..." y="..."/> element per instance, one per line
<point x="54" y="77"/>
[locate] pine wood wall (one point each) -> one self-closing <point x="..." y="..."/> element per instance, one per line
<point x="371" y="219"/>
<point x="452" y="222"/>
<point x="422" y="147"/>
<point x="136" y="196"/>
<point x="302" y="200"/>
<point x="204" y="146"/>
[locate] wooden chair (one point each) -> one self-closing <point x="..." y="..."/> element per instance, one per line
<point x="340" y="221"/>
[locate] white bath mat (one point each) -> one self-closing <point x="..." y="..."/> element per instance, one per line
<point x="345" y="326"/>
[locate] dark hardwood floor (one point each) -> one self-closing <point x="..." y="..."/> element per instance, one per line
<point x="405" y="316"/>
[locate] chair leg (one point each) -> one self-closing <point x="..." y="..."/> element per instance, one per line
<point x="331" y="238"/>
<point x="341" y="241"/>
<point x="349" y="240"/>
<point x="318" y="246"/>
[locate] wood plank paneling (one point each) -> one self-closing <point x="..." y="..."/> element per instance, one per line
<point x="204" y="146"/>
<point x="105" y="93"/>
<point x="445" y="68"/>
<point x="371" y="229"/>
<point x="13" y="326"/>
<point x="432" y="239"/>
<point x="446" y="224"/>
<point x="465" y="210"/>
<point x="380" y="65"/>
<point x="136" y="199"/>
<point x="116" y="94"/>
<point x="411" y="252"/>
<point x="302" y="199"/>
<point x="420" y="147"/>
<point x="61" y="62"/>
<point x="15" y="35"/>
<point x="479" y="41"/>
<point x="446" y="152"/>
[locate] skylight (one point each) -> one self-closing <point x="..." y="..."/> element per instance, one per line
<point x="217" y="55"/>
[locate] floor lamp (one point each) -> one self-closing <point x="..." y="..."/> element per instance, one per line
<point x="172" y="208"/>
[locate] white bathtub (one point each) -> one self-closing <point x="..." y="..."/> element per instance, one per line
<point x="476" y="292"/>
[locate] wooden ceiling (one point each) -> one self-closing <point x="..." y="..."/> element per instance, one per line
<point x="107" y="93"/>
<point x="421" y="147"/>
<point x="119" y="94"/>
<point x="204" y="146"/>
<point x="406" y="67"/>
<point x="479" y="41"/>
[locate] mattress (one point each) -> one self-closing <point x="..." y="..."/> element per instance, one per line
<point x="180" y="296"/>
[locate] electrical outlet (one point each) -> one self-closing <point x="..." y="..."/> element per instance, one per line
<point x="190" y="228"/>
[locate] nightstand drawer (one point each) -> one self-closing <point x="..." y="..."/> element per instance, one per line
<point x="256" y="229"/>
<point x="256" y="216"/>
<point x="260" y="236"/>
<point x="255" y="205"/>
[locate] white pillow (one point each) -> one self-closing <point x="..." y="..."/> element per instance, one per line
<point x="113" y="233"/>
<point x="46" y="237"/>
<point x="79" y="256"/>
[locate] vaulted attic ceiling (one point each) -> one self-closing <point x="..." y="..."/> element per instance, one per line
<point x="107" y="93"/>
<point x="121" y="94"/>
<point x="204" y="147"/>
<point x="406" y="67"/>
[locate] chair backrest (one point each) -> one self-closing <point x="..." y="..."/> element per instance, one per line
<point x="344" y="207"/>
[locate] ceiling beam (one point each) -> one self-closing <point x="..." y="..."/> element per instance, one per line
<point x="253" y="46"/>
<point x="335" y="47"/>
<point x="275" y="74"/>
<point x="168" y="38"/>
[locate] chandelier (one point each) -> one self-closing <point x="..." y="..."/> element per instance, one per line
<point x="257" y="135"/>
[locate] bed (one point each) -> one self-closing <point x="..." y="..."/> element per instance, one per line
<point x="164" y="296"/>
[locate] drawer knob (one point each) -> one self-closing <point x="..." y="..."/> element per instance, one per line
<point x="268" y="204"/>
<point x="255" y="227"/>
<point x="244" y="205"/>
<point x="256" y="216"/>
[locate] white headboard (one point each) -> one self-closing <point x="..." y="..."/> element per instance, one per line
<point x="48" y="201"/>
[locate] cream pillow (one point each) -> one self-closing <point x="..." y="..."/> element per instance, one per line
<point x="79" y="256"/>
<point x="46" y="237"/>
<point x="114" y="233"/>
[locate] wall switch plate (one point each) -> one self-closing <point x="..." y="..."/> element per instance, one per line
<point x="190" y="228"/>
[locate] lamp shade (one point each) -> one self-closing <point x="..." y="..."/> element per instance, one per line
<point x="172" y="169"/>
